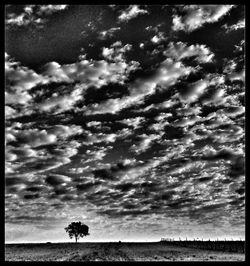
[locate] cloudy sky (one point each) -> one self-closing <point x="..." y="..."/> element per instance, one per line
<point x="127" y="118"/>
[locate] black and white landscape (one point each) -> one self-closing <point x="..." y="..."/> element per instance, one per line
<point x="128" y="118"/>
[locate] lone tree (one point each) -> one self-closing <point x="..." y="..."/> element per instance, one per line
<point x="77" y="230"/>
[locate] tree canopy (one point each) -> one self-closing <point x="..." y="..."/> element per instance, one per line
<point x="77" y="230"/>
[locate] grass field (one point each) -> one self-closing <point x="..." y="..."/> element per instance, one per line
<point x="157" y="251"/>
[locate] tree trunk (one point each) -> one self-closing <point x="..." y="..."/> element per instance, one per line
<point x="76" y="239"/>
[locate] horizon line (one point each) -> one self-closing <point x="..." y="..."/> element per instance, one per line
<point x="117" y="241"/>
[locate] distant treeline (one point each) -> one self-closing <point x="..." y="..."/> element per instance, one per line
<point x="227" y="246"/>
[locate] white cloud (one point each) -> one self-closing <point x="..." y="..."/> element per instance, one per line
<point x="155" y="39"/>
<point x="17" y="19"/>
<point x="9" y="112"/>
<point x="141" y="45"/>
<point x="239" y="25"/>
<point x="21" y="77"/>
<point x="145" y="143"/>
<point x="95" y="154"/>
<point x="116" y="52"/>
<point x="35" y="137"/>
<point x="103" y="35"/>
<point x="162" y="121"/>
<point x="166" y="75"/>
<point x="198" y="88"/>
<point x="31" y="14"/>
<point x="62" y="103"/>
<point x="62" y="131"/>
<point x="128" y="162"/>
<point x="19" y="81"/>
<point x="197" y="15"/>
<point x="94" y="124"/>
<point x="237" y="75"/>
<point x="99" y="137"/>
<point x="24" y="19"/>
<point x="49" y="9"/>
<point x="231" y="71"/>
<point x="29" y="150"/>
<point x="78" y="170"/>
<point x="131" y="12"/>
<point x="186" y="121"/>
<point x="134" y="122"/>
<point x="181" y="50"/>
<point x="239" y="47"/>
<point x="88" y="73"/>
<point x="91" y="73"/>
<point x="158" y="38"/>
<point x="195" y="90"/>
<point x="55" y="179"/>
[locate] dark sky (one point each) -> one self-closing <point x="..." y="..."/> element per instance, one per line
<point x="127" y="118"/>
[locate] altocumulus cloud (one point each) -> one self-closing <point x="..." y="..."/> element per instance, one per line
<point x="197" y="15"/>
<point x="33" y="14"/>
<point x="144" y="133"/>
<point x="131" y="12"/>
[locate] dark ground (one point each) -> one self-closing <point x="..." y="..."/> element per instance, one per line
<point x="157" y="251"/>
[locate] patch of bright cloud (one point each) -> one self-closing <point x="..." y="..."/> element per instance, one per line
<point x="197" y="15"/>
<point x="33" y="14"/>
<point x="180" y="50"/>
<point x="239" y="25"/>
<point x="131" y="12"/>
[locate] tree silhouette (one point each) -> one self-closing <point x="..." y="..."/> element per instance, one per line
<point x="77" y="230"/>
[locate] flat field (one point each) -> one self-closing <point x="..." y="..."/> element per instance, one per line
<point x="157" y="251"/>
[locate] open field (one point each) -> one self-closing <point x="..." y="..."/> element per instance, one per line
<point x="157" y="251"/>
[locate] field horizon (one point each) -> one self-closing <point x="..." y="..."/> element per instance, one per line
<point x="127" y="251"/>
<point x="117" y="241"/>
